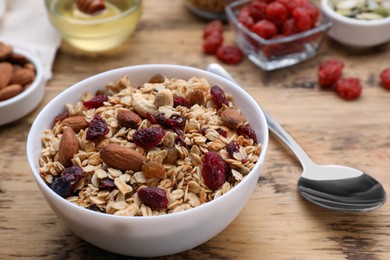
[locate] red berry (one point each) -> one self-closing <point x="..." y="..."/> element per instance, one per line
<point x="245" y="18"/>
<point x="290" y="4"/>
<point x="180" y="101"/>
<point x="348" y="88"/>
<point x="257" y="10"/>
<point x="302" y="18"/>
<point x="329" y="72"/>
<point x="229" y="54"/>
<point x="148" y="138"/>
<point x="233" y="147"/>
<point x="97" y="128"/>
<point x="385" y="78"/>
<point x="289" y="27"/>
<point x="248" y="132"/>
<point x="172" y="122"/>
<point x="154" y="197"/>
<point x="265" y="29"/>
<point x="218" y="96"/>
<point x="277" y="13"/>
<point x="95" y="102"/>
<point x="212" y="27"/>
<point x="212" y="43"/>
<point x="214" y="170"/>
<point x="222" y="132"/>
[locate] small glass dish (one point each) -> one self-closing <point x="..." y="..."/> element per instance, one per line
<point x="208" y="9"/>
<point x="280" y="52"/>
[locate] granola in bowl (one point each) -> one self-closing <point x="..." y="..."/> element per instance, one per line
<point x="165" y="146"/>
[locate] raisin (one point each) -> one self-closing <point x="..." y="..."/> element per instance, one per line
<point x="233" y="147"/>
<point x="277" y="13"/>
<point x="212" y="27"/>
<point x="180" y="101"/>
<point x="65" y="184"/>
<point x="202" y="131"/>
<point x="97" y="128"/>
<point x="302" y="19"/>
<point x="329" y="72"/>
<point x="248" y="132"/>
<point x="59" y="117"/>
<point x="229" y="54"/>
<point x="107" y="183"/>
<point x="265" y="29"/>
<point x="95" y="102"/>
<point x="154" y="197"/>
<point x="385" y="78"/>
<point x="158" y="78"/>
<point x="93" y="207"/>
<point x="153" y="169"/>
<point x="172" y="122"/>
<point x="218" y="96"/>
<point x="148" y="138"/>
<point x="74" y="170"/>
<point x="214" y="170"/>
<point x="212" y="43"/>
<point x="348" y="88"/>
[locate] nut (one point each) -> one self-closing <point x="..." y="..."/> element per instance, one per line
<point x="68" y="147"/>
<point x="90" y="6"/>
<point x="10" y="91"/>
<point x="196" y="97"/>
<point x="153" y="169"/>
<point x="5" y="73"/>
<point x="22" y="76"/>
<point x="75" y="122"/>
<point x="128" y="118"/>
<point x="163" y="98"/>
<point x="121" y="157"/>
<point x="5" y="51"/>
<point x="143" y="106"/>
<point x="18" y="58"/>
<point x="232" y="118"/>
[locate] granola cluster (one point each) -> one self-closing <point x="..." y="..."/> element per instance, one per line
<point x="166" y="146"/>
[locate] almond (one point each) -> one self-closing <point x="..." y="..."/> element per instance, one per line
<point x="153" y="169"/>
<point x="5" y="73"/>
<point x="75" y="122"/>
<point x="18" y="58"/>
<point x="68" y="147"/>
<point x="5" y="51"/>
<point x="121" y="157"/>
<point x="22" y="76"/>
<point x="127" y="118"/>
<point x="10" y="91"/>
<point x="232" y="118"/>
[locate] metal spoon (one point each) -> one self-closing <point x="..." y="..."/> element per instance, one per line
<point x="330" y="186"/>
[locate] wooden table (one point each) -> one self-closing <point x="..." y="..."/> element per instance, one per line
<point x="277" y="223"/>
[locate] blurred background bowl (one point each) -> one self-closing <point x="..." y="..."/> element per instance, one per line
<point x="155" y="235"/>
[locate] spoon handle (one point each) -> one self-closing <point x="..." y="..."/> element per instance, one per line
<point x="272" y="124"/>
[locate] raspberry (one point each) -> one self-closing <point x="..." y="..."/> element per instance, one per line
<point x="218" y="96"/>
<point x="385" y="78"/>
<point x="229" y="54"/>
<point x="154" y="197"/>
<point x="302" y="18"/>
<point x="148" y="138"/>
<point x="265" y="29"/>
<point x="329" y="72"/>
<point x="277" y="13"/>
<point x="95" y="102"/>
<point x="212" y="43"/>
<point x="212" y="27"/>
<point x="214" y="170"/>
<point x="348" y="88"/>
<point x="97" y="128"/>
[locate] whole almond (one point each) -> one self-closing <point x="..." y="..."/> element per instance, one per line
<point x="5" y="51"/>
<point x="121" y="157"/>
<point x="10" y="91"/>
<point x="18" y="58"/>
<point x="22" y="76"/>
<point x="153" y="169"/>
<point x="232" y="118"/>
<point x="68" y="147"/>
<point x="5" y="73"/>
<point x="75" y="122"/>
<point x="128" y="118"/>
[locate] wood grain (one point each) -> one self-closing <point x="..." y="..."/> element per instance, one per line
<point x="276" y="223"/>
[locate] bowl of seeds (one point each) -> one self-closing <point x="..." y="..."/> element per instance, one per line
<point x="358" y="23"/>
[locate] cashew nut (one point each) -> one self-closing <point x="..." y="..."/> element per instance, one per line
<point x="164" y="98"/>
<point x="143" y="106"/>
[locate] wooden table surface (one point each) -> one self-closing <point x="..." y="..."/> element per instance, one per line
<point x="277" y="223"/>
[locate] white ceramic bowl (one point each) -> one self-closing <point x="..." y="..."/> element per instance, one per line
<point x="354" y="32"/>
<point x="156" y="235"/>
<point x="20" y="105"/>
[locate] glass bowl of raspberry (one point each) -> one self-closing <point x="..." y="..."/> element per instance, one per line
<point x="137" y="161"/>
<point x="278" y="33"/>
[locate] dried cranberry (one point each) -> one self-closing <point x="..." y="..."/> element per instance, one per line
<point x="233" y="147"/>
<point x="277" y="13"/>
<point x="152" y="119"/>
<point x="203" y="131"/>
<point x="218" y="96"/>
<point x="348" y="88"/>
<point x="75" y="170"/>
<point x="148" y="138"/>
<point x="212" y="27"/>
<point x="289" y="27"/>
<point x="257" y="10"/>
<point x="265" y="29"/>
<point x="247" y="131"/>
<point x="107" y="183"/>
<point x="222" y="132"/>
<point x="329" y="72"/>
<point x="283" y="48"/>
<point x="95" y="102"/>
<point x="97" y="128"/>
<point x="154" y="197"/>
<point x="65" y="184"/>
<point x="229" y="54"/>
<point x="290" y="4"/>
<point x="212" y="43"/>
<point x="172" y="122"/>
<point x="385" y="78"/>
<point x="302" y="18"/>
<point x="244" y="17"/>
<point x="180" y="136"/>
<point x="214" y="170"/>
<point x="180" y="101"/>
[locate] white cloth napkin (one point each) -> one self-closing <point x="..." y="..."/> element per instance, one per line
<point x="25" y="25"/>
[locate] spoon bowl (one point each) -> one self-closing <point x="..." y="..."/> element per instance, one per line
<point x="333" y="187"/>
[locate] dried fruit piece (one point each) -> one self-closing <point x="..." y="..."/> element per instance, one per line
<point x="276" y="12"/>
<point x="213" y="170"/>
<point x="172" y="156"/>
<point x="97" y="128"/>
<point x="245" y="130"/>
<point x="154" y="197"/>
<point x="180" y="101"/>
<point x="95" y="102"/>
<point x="385" y="78"/>
<point x="61" y="116"/>
<point x="148" y="138"/>
<point x="196" y="97"/>
<point x="265" y="29"/>
<point x="218" y="96"/>
<point x="214" y="26"/>
<point x="172" y="122"/>
<point x="232" y="118"/>
<point x="153" y="169"/>
<point x="107" y="184"/>
<point x="129" y="119"/>
<point x="157" y="78"/>
<point x="212" y="43"/>
<point x="92" y="7"/>
<point x="329" y="72"/>
<point x="66" y="183"/>
<point x="348" y="88"/>
<point x="229" y="54"/>
<point x="233" y="147"/>
<point x="75" y="122"/>
<point x="68" y="146"/>
<point x="121" y="157"/>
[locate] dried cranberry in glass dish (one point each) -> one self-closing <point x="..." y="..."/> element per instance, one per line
<point x="277" y="34"/>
